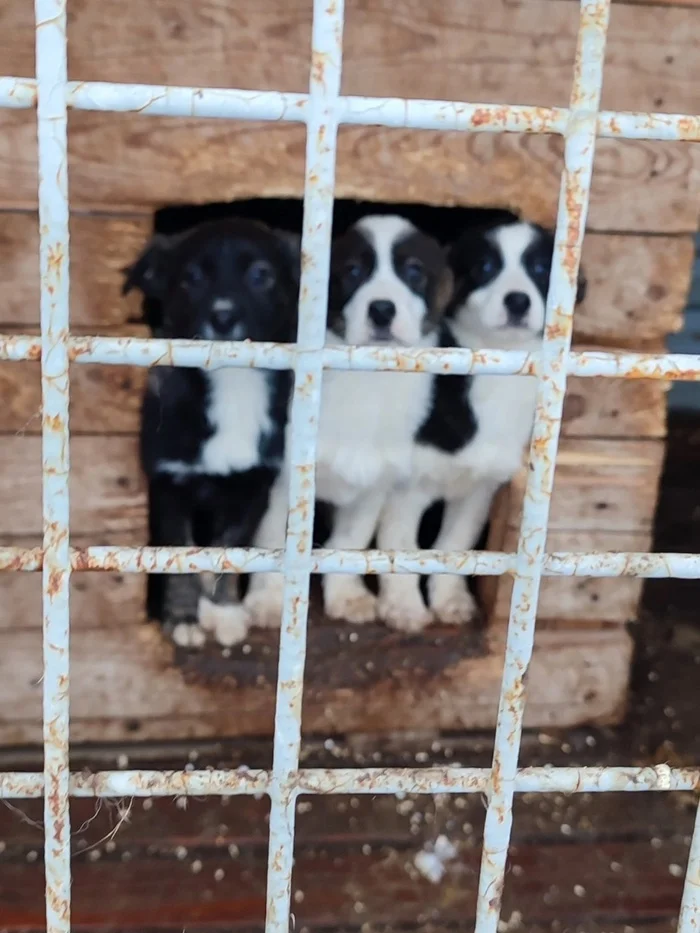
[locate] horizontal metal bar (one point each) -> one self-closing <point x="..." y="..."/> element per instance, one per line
<point x="258" y="560"/>
<point x="232" y="104"/>
<point x="202" y="354"/>
<point x="17" y="93"/>
<point x="436" y="780"/>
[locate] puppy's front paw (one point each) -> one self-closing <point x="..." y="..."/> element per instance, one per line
<point x="227" y="622"/>
<point x="451" y="601"/>
<point x="401" y="606"/>
<point x="188" y="635"/>
<point x="348" y="599"/>
<point x="264" y="602"/>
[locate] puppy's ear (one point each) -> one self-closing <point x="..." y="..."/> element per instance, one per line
<point x="149" y="272"/>
<point x="582" y="287"/>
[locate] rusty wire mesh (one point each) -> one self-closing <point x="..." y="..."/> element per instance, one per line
<point x="322" y="110"/>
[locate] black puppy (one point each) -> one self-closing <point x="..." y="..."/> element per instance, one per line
<point x="212" y="441"/>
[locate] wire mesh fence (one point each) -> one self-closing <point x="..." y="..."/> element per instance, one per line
<point x="323" y="109"/>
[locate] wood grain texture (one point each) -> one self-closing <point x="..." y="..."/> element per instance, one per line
<point x="107" y="400"/>
<point x="126" y="684"/>
<point x="637" y="285"/>
<point x="108" y="498"/>
<point x="608" y="408"/>
<point x="128" y="162"/>
<point x="507" y="52"/>
<point x="599" y="484"/>
<point x="571" y="600"/>
<point x="101" y="247"/>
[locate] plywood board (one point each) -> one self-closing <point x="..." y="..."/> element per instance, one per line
<point x="568" y="600"/>
<point x="97" y="600"/>
<point x="125" y="684"/>
<point x="599" y="485"/>
<point x="107" y="491"/>
<point x="637" y="285"/>
<point x="485" y="50"/>
<point x="101" y="247"/>
<point x="107" y="399"/>
<point x="122" y="162"/>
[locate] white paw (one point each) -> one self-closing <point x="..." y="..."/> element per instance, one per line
<point x="402" y="608"/>
<point x="350" y="601"/>
<point x="189" y="635"/>
<point x="264" y="603"/>
<point x="451" y="601"/>
<point x="228" y="622"/>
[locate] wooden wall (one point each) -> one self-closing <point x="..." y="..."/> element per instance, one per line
<point x="638" y="253"/>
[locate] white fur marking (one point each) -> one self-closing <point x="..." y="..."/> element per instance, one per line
<point x="189" y="636"/>
<point x="238" y="410"/>
<point x="346" y="597"/>
<point x="382" y="233"/>
<point x="229" y="622"/>
<point x="222" y="304"/>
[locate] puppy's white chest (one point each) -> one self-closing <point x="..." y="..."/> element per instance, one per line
<point x="368" y="422"/>
<point x="504" y="407"/>
<point x="238" y="412"/>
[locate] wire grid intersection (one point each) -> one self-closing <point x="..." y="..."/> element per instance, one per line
<point x="323" y="109"/>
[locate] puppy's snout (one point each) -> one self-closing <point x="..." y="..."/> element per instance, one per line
<point x="382" y="313"/>
<point x="517" y="305"/>
<point x="223" y="315"/>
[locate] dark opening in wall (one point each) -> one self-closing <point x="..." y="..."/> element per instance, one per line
<point x="443" y="223"/>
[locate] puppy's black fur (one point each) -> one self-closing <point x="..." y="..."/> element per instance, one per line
<point x="209" y="481"/>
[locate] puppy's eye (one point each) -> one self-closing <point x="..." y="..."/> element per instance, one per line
<point x="414" y="273"/>
<point x="260" y="276"/>
<point x="193" y="275"/>
<point x="484" y="268"/>
<point x="539" y="268"/>
<point x="352" y="271"/>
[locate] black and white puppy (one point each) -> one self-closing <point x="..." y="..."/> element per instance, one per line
<point x="475" y="436"/>
<point x="212" y="441"/>
<point x="389" y="284"/>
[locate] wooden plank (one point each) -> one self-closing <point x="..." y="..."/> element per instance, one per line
<point x="108" y="497"/>
<point x="546" y="883"/>
<point x="612" y="408"/>
<point x="107" y="400"/>
<point x="140" y="163"/>
<point x="100" y="248"/>
<point x="637" y="285"/>
<point x="520" y="53"/>
<point x="128" y="684"/>
<point x="474" y="51"/>
<point x="598" y="485"/>
<point x="566" y="600"/>
<point x="96" y="599"/>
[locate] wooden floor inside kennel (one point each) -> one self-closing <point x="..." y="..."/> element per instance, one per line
<point x="595" y="863"/>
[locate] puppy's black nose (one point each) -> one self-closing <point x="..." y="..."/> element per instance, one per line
<point x="382" y="313"/>
<point x="223" y="319"/>
<point x="517" y="305"/>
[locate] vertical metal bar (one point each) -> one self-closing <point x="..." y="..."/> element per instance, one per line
<point x="571" y="222"/>
<point x="689" y="919"/>
<point x="51" y="69"/>
<point x="322" y="130"/>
